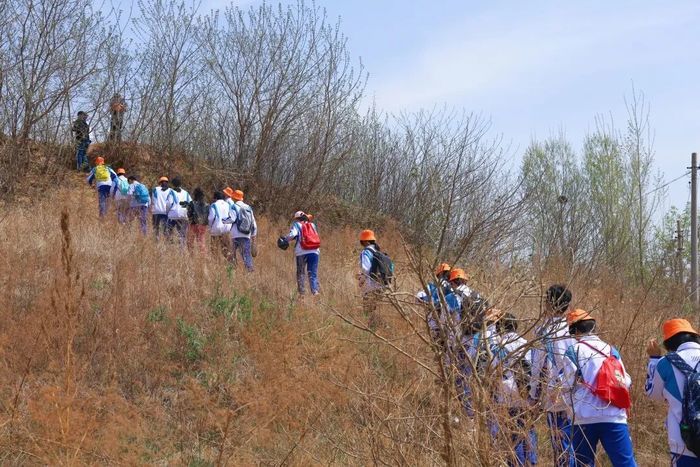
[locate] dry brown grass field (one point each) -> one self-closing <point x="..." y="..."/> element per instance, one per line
<point x="117" y="350"/>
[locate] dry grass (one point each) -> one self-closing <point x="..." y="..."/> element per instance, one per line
<point x="119" y="350"/>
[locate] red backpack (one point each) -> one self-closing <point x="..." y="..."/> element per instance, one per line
<point x="609" y="384"/>
<point x="309" y="238"/>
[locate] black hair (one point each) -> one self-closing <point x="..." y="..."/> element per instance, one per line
<point x="198" y="194"/>
<point x="559" y="297"/>
<point x="131" y="177"/>
<point x="81" y="113"/>
<point x="508" y="323"/>
<point x="303" y="218"/>
<point x="674" y="342"/>
<point x="218" y="195"/>
<point x="582" y="327"/>
<point x="177" y="183"/>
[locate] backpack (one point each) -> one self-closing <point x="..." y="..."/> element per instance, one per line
<point x="382" y="269"/>
<point x="690" y="418"/>
<point x="141" y="194"/>
<point x="244" y="219"/>
<point x="123" y="186"/>
<point x="609" y="384"/>
<point x="102" y="173"/>
<point x="200" y="213"/>
<point x="309" y="237"/>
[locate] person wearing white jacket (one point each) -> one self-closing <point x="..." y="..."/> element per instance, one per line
<point x="594" y="419"/>
<point x="159" y="205"/>
<point x="244" y="229"/>
<point x="547" y="368"/>
<point x="218" y="230"/>
<point x="176" y="206"/>
<point x="667" y="382"/>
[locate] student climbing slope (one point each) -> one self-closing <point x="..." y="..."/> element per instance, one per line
<point x="102" y="177"/>
<point x="306" y="251"/>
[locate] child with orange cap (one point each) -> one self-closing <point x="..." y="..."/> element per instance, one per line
<point x="666" y="380"/>
<point x="376" y="272"/>
<point x="103" y="177"/>
<point x="597" y="391"/>
<point x="120" y="195"/>
<point x="159" y="205"/>
<point x="244" y="228"/>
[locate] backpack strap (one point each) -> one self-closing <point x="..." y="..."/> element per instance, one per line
<point x="595" y="349"/>
<point x="682" y="366"/>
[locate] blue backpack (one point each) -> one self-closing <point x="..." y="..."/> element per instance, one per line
<point x="141" y="194"/>
<point x="690" y="418"/>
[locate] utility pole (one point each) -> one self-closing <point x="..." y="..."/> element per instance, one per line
<point x="694" y="229"/>
<point x="679" y="251"/>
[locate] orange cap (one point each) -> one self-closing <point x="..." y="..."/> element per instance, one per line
<point x="674" y="326"/>
<point x="578" y="315"/>
<point x="367" y="235"/>
<point x="443" y="267"/>
<point x="99" y="160"/>
<point x="458" y="273"/>
<point x="228" y="191"/>
<point x="121" y="171"/>
<point x="163" y="179"/>
<point x="237" y="195"/>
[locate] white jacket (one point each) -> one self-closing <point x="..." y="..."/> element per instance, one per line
<point x="218" y="211"/>
<point x="234" y="207"/>
<point x="582" y="364"/>
<point x="548" y="364"/>
<point x="116" y="192"/>
<point x="515" y="351"/>
<point x="665" y="382"/>
<point x="367" y="283"/>
<point x="159" y="200"/>
<point x="174" y="210"/>
<point x="295" y="234"/>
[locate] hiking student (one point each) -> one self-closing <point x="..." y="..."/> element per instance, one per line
<point x="198" y="216"/>
<point x="228" y="193"/>
<point x="598" y="393"/>
<point x="218" y="230"/>
<point x="103" y="177"/>
<point x="243" y="229"/>
<point x="666" y="380"/>
<point x="121" y="197"/>
<point x="547" y="368"/>
<point x="441" y="322"/>
<point x="81" y="133"/>
<point x="159" y="205"/>
<point x="442" y="274"/>
<point x="376" y="274"/>
<point x="140" y="200"/>
<point x="176" y="206"/>
<point x="514" y="357"/>
<point x="306" y="251"/>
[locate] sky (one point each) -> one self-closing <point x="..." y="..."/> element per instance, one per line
<point x="534" y="68"/>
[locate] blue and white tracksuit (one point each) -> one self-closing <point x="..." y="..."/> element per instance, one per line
<point x="177" y="214"/>
<point x="666" y="382"/>
<point x="307" y="260"/>
<point x="367" y="283"/>
<point x="159" y="209"/>
<point x="103" y="188"/>
<point x="546" y="384"/>
<point x="122" y="200"/>
<point x="594" y="420"/>
<point x="513" y="351"/>
<point x="138" y="209"/>
<point x="241" y="242"/>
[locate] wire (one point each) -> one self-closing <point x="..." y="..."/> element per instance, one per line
<point x="667" y="183"/>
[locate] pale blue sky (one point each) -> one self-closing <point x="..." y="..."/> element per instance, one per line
<point x="534" y="67"/>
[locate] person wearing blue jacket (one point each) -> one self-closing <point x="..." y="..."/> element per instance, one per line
<point x="102" y="177"/>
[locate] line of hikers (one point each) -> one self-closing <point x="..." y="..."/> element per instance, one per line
<point x="566" y="371"/>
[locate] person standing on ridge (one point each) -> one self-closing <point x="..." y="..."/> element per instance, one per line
<point x="547" y="370"/>
<point x="159" y="205"/>
<point x="244" y="229"/>
<point x="81" y="133"/>
<point x="306" y="250"/>
<point x="667" y="378"/>
<point x="597" y="387"/>
<point x="117" y="107"/>
<point x="176" y="207"/>
<point x="376" y="273"/>
<point x="103" y="177"/>
<point x="140" y="201"/>
<point x="218" y="230"/>
<point x="121" y="197"/>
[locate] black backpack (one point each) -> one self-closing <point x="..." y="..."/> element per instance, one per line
<point x="382" y="269"/>
<point x="690" y="418"/>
